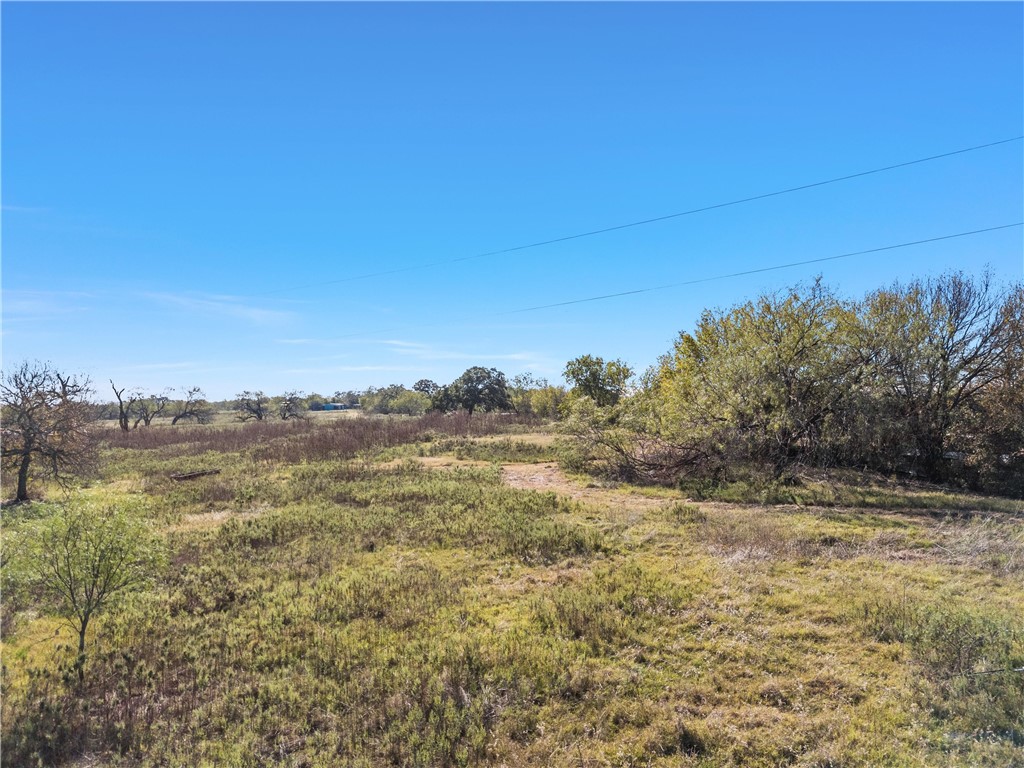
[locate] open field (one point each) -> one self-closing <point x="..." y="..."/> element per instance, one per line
<point x="373" y="592"/>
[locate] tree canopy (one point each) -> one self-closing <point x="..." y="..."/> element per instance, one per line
<point x="477" y="387"/>
<point x="88" y="554"/>
<point x="921" y="378"/>
<point x="603" y="382"/>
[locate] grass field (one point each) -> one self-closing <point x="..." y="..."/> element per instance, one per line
<point x="439" y="593"/>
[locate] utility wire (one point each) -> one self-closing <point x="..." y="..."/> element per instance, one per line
<point x="692" y="282"/>
<point x="760" y="269"/>
<point x="642" y="222"/>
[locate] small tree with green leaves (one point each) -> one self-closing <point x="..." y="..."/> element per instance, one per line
<point x="603" y="382"/>
<point x="89" y="554"/>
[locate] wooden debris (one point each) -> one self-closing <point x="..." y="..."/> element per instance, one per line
<point x="191" y="475"/>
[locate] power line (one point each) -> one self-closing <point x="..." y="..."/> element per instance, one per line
<point x="695" y="281"/>
<point x="604" y="230"/>
<point x="760" y="269"/>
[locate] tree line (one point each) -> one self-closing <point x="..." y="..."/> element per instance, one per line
<point x="47" y="414"/>
<point x="923" y="378"/>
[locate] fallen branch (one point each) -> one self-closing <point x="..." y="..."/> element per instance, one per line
<point x="200" y="473"/>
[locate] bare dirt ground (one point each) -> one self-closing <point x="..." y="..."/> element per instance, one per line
<point x="548" y="477"/>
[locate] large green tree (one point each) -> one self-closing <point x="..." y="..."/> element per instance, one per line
<point x="763" y="381"/>
<point x="477" y="387"/>
<point x="933" y="348"/>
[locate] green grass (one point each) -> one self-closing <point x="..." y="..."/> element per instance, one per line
<point x="506" y="449"/>
<point x="844" y="488"/>
<point x="345" y="611"/>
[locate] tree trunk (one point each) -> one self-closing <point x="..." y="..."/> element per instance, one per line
<point x="80" y="661"/>
<point x="933" y="465"/>
<point x="26" y="459"/>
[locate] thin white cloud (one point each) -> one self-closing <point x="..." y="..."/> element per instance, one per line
<point x="421" y="351"/>
<point x="35" y="304"/>
<point x="22" y="209"/>
<point x="429" y="352"/>
<point x="227" y="306"/>
<point x="143" y="367"/>
<point x="351" y="369"/>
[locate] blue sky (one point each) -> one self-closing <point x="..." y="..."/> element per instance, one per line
<point x="192" y="191"/>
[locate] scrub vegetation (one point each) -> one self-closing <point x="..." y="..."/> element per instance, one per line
<point x="778" y="547"/>
<point x="336" y="595"/>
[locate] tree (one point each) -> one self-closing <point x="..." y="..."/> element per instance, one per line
<point x="761" y="381"/>
<point x="125" y="405"/>
<point x="45" y="421"/>
<point x="252" y="405"/>
<point x="395" y="399"/>
<point x="602" y="382"/>
<point x="291" y="405"/>
<point x="410" y="403"/>
<point x="426" y="387"/>
<point x="546" y="401"/>
<point x="477" y="387"/>
<point x="379" y="400"/>
<point x="932" y="348"/>
<point x="444" y="400"/>
<point x="993" y="430"/>
<point x="89" y="554"/>
<point x="193" y="407"/>
<point x="520" y="389"/>
<point x="149" y="407"/>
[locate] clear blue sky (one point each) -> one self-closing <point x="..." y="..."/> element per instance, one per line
<point x="184" y="185"/>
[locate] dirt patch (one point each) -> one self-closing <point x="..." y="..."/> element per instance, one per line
<point x="549" y="477"/>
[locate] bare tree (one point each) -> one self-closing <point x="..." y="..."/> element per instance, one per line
<point x="151" y="406"/>
<point x="291" y="405"/>
<point x="125" y="405"/>
<point x="193" y="407"/>
<point x="252" y="405"/>
<point x="45" y="418"/>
